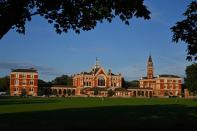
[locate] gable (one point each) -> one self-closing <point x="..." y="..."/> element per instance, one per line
<point x="100" y="71"/>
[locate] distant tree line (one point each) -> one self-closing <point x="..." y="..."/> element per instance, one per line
<point x="130" y="84"/>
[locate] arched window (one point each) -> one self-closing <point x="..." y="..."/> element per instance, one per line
<point x="101" y="81"/>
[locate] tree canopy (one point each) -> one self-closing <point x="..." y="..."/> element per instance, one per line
<point x="4" y="83"/>
<point x="67" y="15"/>
<point x="191" y="78"/>
<point x="130" y="84"/>
<point x="63" y="80"/>
<point x="186" y="30"/>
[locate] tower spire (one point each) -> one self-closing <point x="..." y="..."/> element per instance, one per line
<point x="97" y="65"/>
<point x="150" y="59"/>
<point x="150" y="68"/>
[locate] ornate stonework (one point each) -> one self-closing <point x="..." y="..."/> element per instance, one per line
<point x="97" y="77"/>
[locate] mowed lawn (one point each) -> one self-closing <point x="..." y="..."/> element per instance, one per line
<point x="97" y="114"/>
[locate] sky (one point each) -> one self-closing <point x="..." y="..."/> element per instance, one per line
<point x="123" y="49"/>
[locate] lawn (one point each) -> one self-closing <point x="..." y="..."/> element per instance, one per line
<point x="97" y="114"/>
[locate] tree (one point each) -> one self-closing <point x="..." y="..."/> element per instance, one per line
<point x="96" y="91"/>
<point x="5" y="84"/>
<point x="191" y="78"/>
<point x="127" y="84"/>
<point x="67" y="15"/>
<point x="110" y="92"/>
<point x="47" y="91"/>
<point x="186" y="30"/>
<point x="44" y="87"/>
<point x="63" y="80"/>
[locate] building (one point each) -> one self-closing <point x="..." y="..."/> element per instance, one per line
<point x="23" y="80"/>
<point x="61" y="90"/>
<point x="162" y="85"/>
<point x="97" y="77"/>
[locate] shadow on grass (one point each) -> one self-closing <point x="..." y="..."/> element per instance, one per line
<point x="146" y="117"/>
<point x="30" y="100"/>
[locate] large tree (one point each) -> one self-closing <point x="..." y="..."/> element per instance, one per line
<point x="191" y="78"/>
<point x="44" y="87"/>
<point x="63" y="80"/>
<point x="68" y="14"/>
<point x="5" y="83"/>
<point x="186" y="30"/>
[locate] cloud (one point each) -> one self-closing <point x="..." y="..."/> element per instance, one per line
<point x="44" y="70"/>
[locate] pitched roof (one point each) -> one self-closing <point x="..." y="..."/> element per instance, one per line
<point x="169" y="75"/>
<point x="147" y="77"/>
<point x="25" y="70"/>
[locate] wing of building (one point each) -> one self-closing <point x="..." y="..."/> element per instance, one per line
<point x="162" y="85"/>
<point x="23" y="80"/>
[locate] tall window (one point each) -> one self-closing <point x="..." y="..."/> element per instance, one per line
<point x="31" y="82"/>
<point x="16" y="82"/>
<point x="101" y="81"/>
<point x="23" y="75"/>
<point x="32" y="75"/>
<point x="16" y="75"/>
<point x="31" y="89"/>
<point x="24" y="82"/>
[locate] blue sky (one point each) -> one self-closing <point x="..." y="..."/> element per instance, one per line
<point x="124" y="49"/>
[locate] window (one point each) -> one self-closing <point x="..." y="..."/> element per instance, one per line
<point x="24" y="82"/>
<point x="23" y="75"/>
<point x="16" y="75"/>
<point x="16" y="82"/>
<point x="31" y="82"/>
<point x="31" y="75"/>
<point x="31" y="89"/>
<point x="101" y="81"/>
<point x="15" y="89"/>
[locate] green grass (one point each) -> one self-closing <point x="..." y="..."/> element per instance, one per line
<point x="97" y="114"/>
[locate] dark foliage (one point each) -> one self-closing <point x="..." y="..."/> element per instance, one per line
<point x="63" y="80"/>
<point x="5" y="84"/>
<point x="130" y="84"/>
<point x="186" y="30"/>
<point x="110" y="92"/>
<point x="191" y="78"/>
<point x="67" y="15"/>
<point x="44" y="87"/>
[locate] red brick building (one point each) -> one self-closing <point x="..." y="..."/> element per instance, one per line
<point x="162" y="85"/>
<point x="97" y="77"/>
<point x="24" y="79"/>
